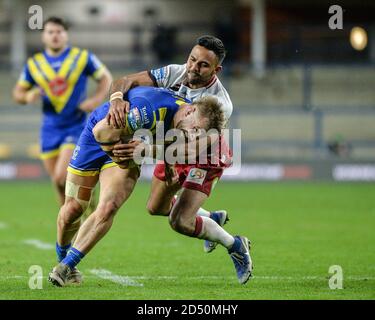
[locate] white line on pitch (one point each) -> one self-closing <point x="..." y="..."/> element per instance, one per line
<point x="39" y="244"/>
<point x="133" y="278"/>
<point x="108" y="275"/>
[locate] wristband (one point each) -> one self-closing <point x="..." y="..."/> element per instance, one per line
<point x="116" y="95"/>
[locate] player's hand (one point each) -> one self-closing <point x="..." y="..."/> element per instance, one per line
<point x="128" y="151"/>
<point x="32" y="95"/>
<point x="88" y="105"/>
<point x="117" y="112"/>
<point x="171" y="176"/>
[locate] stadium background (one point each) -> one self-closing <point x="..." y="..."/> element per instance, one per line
<point x="303" y="97"/>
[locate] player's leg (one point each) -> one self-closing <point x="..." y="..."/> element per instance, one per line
<point x="159" y="202"/>
<point x="51" y="139"/>
<point x="78" y="195"/>
<point x="60" y="173"/>
<point x="77" y="198"/>
<point x="161" y="197"/>
<point x="49" y="164"/>
<point x="82" y="176"/>
<point x="184" y="220"/>
<point x="116" y="186"/>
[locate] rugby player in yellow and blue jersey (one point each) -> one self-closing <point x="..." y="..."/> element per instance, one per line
<point x="58" y="76"/>
<point x="90" y="164"/>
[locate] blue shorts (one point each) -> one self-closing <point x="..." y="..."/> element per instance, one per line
<point x="88" y="158"/>
<point x="53" y="139"/>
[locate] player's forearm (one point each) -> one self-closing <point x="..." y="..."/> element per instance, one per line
<point x="191" y="151"/>
<point x="121" y="85"/>
<point x="196" y="148"/>
<point x="19" y="96"/>
<point x="102" y="88"/>
<point x="126" y="83"/>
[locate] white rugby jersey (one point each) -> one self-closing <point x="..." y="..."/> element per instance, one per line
<point x="173" y="76"/>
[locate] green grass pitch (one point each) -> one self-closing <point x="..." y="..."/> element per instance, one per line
<point x="298" y="231"/>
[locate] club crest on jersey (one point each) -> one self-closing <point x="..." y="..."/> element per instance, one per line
<point x="58" y="86"/>
<point x="196" y="176"/>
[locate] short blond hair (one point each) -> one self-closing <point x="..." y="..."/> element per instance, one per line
<point x="211" y="109"/>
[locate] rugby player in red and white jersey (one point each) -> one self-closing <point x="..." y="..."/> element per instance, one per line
<point x="194" y="79"/>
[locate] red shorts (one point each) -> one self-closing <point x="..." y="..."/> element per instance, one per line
<point x="200" y="177"/>
<point x="192" y="176"/>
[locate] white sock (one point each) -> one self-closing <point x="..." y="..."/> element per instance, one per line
<point x="203" y="213"/>
<point x="213" y="232"/>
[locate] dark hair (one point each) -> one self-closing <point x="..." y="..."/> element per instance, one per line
<point x="209" y="107"/>
<point x="56" y="20"/>
<point x="214" y="44"/>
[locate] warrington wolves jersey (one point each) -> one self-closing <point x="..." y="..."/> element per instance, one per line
<point x="63" y="81"/>
<point x="148" y="105"/>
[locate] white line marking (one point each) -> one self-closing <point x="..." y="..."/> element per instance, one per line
<point x="39" y="244"/>
<point x="123" y="280"/>
<point x="282" y="278"/>
<point x="3" y="225"/>
<point x="161" y="278"/>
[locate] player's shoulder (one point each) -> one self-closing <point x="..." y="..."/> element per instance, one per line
<point x="35" y="55"/>
<point x="79" y="50"/>
<point x="217" y="89"/>
<point x="177" y="67"/>
<point x="174" y="67"/>
<point x="172" y="70"/>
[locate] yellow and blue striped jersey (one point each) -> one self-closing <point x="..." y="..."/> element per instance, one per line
<point x="63" y="82"/>
<point x="148" y="106"/>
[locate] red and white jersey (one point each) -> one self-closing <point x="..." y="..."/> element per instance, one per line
<point x="173" y="76"/>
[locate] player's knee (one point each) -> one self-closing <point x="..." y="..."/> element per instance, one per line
<point x="180" y="224"/>
<point x="154" y="211"/>
<point x="77" y="195"/>
<point x="151" y="210"/>
<point x="108" y="209"/>
<point x="70" y="211"/>
<point x="104" y="133"/>
<point x="59" y="179"/>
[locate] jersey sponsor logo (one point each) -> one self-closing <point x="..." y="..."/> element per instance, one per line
<point x="196" y="176"/>
<point x="134" y="119"/>
<point x="146" y="120"/>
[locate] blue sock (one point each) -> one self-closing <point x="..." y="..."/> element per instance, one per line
<point x="61" y="251"/>
<point x="215" y="216"/>
<point x="73" y="257"/>
<point x="236" y="245"/>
